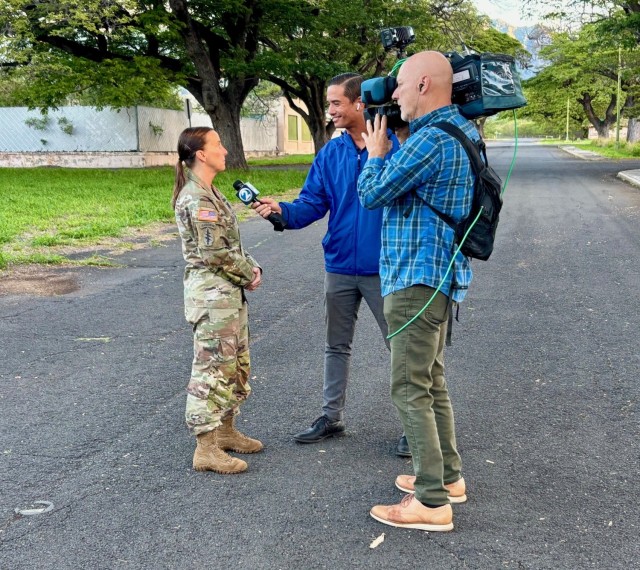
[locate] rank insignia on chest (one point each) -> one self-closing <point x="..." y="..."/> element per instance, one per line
<point x="206" y="215"/>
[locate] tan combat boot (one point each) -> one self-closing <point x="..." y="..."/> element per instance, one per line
<point x="230" y="438"/>
<point x="209" y="456"/>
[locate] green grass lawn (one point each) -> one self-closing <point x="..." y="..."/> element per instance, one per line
<point x="605" y="148"/>
<point x="280" y="160"/>
<point x="45" y="210"/>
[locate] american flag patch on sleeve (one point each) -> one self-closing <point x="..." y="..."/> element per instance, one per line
<point x="206" y="215"/>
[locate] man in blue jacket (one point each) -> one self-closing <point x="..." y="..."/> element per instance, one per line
<point x="351" y="246"/>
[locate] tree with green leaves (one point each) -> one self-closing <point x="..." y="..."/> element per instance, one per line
<point x="621" y="30"/>
<point x="584" y="69"/>
<point x="548" y="108"/>
<point x="615" y="25"/>
<point x="125" y="52"/>
<point x="122" y="52"/>
<point x="316" y="42"/>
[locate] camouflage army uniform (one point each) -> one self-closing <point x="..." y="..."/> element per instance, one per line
<point x="217" y="270"/>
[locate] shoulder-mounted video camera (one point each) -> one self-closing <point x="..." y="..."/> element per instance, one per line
<point x="376" y="93"/>
<point x="483" y="84"/>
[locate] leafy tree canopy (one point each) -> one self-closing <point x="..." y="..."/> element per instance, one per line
<point x="124" y="52"/>
<point x="305" y="55"/>
<point x="584" y="69"/>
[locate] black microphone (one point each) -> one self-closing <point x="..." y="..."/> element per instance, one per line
<point x="248" y="194"/>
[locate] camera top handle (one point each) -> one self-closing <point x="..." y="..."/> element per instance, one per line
<point x="398" y="38"/>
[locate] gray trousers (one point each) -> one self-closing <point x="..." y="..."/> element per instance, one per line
<point x="343" y="294"/>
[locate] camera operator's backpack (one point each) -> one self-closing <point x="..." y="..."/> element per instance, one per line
<point x="487" y="190"/>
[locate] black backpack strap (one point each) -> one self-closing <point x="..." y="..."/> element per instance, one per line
<point x="472" y="149"/>
<point x="444" y="217"/>
<point x="475" y="159"/>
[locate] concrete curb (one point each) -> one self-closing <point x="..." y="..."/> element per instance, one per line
<point x="630" y="176"/>
<point x="583" y="154"/>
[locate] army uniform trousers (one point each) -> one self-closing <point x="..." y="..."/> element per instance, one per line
<point x="221" y="366"/>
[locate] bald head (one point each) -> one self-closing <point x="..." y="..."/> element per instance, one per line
<point x="424" y="84"/>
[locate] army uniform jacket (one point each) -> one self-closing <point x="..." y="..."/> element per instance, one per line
<point x="217" y="265"/>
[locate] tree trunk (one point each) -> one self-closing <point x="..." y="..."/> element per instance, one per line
<point x="223" y="107"/>
<point x="633" y="130"/>
<point x="603" y="129"/>
<point x="320" y="131"/>
<point x="314" y="99"/>
<point x="226" y="121"/>
<point x="221" y="104"/>
<point x="225" y="115"/>
<point x="602" y="126"/>
<point x="312" y="94"/>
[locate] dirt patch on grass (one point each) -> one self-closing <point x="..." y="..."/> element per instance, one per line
<point x="48" y="280"/>
<point x="39" y="281"/>
<point x="62" y="279"/>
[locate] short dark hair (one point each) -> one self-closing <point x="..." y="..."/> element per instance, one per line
<point x="350" y="82"/>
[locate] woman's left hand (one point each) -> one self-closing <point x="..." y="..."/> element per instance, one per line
<point x="257" y="280"/>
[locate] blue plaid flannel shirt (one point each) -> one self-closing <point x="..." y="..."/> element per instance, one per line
<point x="431" y="166"/>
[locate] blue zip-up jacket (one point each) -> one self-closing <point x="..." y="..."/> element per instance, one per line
<point x="352" y="242"/>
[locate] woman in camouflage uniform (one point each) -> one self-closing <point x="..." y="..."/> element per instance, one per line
<point x="218" y="272"/>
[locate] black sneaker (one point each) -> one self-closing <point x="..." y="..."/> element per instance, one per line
<point x="402" y="450"/>
<point x="322" y="428"/>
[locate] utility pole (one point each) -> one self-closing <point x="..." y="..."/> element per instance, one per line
<point x="618" y="97"/>
<point x="567" y="130"/>
<point x="187" y="106"/>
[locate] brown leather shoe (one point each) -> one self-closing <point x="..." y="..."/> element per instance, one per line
<point x="411" y="513"/>
<point x="457" y="490"/>
<point x="208" y="456"/>
<point x="229" y="438"/>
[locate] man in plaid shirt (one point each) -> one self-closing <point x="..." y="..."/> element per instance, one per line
<point x="432" y="168"/>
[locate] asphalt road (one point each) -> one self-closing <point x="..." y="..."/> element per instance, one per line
<point x="543" y="374"/>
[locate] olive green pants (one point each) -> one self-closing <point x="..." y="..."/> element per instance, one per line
<point x="419" y="390"/>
